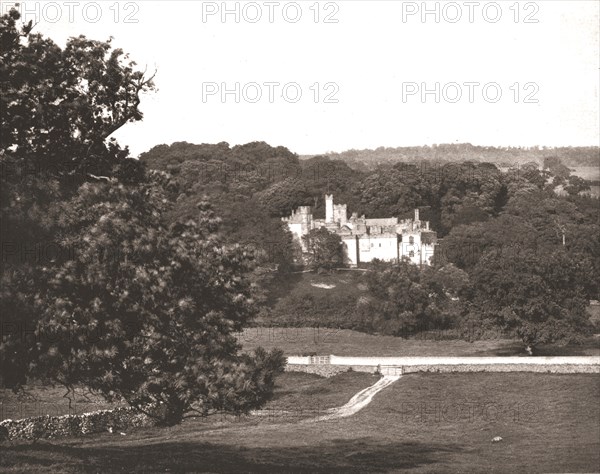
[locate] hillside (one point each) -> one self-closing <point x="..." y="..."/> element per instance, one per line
<point x="367" y="160"/>
<point x="421" y="424"/>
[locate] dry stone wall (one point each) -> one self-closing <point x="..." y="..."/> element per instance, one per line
<point x="101" y="421"/>
<point x="328" y="370"/>
<point x="555" y="365"/>
<point x="550" y="368"/>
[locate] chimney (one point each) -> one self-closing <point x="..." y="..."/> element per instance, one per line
<point x="416" y="215"/>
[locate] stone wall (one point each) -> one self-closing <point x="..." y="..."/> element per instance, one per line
<point x="124" y="418"/>
<point x="101" y="421"/>
<point x="331" y="370"/>
<point x="325" y="370"/>
<point x="548" y="368"/>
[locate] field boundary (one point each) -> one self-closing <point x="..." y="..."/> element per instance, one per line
<point x="331" y="365"/>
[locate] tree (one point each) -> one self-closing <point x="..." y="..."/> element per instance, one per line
<point x="59" y="106"/>
<point x="146" y="314"/>
<point x="137" y="310"/>
<point x="325" y="249"/>
<point x="540" y="297"/>
<point x="282" y="197"/>
<point x="324" y="176"/>
<point x="576" y="185"/>
<point x="402" y="299"/>
<point x="466" y="244"/>
<point x="557" y="169"/>
<point x="248" y="224"/>
<point x="57" y="109"/>
<point x="454" y="282"/>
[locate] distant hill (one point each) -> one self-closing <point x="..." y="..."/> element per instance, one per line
<point x="367" y="160"/>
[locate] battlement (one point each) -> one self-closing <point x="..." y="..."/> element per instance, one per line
<point x="365" y="239"/>
<point x="300" y="215"/>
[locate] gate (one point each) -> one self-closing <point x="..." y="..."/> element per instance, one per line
<point x="391" y="370"/>
<point x="320" y="360"/>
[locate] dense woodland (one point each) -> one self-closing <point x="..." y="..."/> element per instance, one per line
<point x="131" y="276"/>
<point x="513" y="253"/>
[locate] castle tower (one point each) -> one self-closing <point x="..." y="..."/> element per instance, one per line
<point x="305" y="219"/>
<point x="340" y="214"/>
<point x="328" y="208"/>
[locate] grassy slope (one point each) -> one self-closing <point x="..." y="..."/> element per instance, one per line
<point x="549" y="423"/>
<point x="561" y="435"/>
<point x="348" y="285"/>
<point x="323" y="341"/>
<point x="296" y="390"/>
<point x="38" y="400"/>
<point x="304" y="299"/>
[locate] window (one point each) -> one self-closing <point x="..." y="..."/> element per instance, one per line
<point x="411" y="240"/>
<point x="411" y="253"/>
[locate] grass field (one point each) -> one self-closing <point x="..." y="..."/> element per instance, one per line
<point x="284" y="327"/>
<point x="296" y="391"/>
<point x="343" y="342"/>
<point x="422" y="423"/>
<point x="39" y="400"/>
<point x="301" y="390"/>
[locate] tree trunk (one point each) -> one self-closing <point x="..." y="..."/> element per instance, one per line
<point x="173" y="413"/>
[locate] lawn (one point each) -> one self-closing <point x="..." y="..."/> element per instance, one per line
<point x="38" y="400"/>
<point x="327" y="301"/>
<point x="344" y="342"/>
<point x="309" y="391"/>
<point x="549" y="423"/>
<point x="295" y="394"/>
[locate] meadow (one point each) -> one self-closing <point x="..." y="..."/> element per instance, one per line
<point x="345" y="342"/>
<point x="299" y="392"/>
<point x="421" y="423"/>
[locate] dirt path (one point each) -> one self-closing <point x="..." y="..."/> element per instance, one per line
<point x="358" y="401"/>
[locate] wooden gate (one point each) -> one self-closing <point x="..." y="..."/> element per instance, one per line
<point x="320" y="359"/>
<point x="391" y="370"/>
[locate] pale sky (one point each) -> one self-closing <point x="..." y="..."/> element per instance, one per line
<point x="373" y="62"/>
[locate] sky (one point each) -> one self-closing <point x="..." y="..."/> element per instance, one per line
<point x="331" y="76"/>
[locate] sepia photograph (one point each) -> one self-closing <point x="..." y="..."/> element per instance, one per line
<point x="312" y="236"/>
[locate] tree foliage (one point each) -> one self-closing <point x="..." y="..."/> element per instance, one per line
<point x="131" y="306"/>
<point x="540" y="297"/>
<point x="59" y="106"/>
<point x="324" y="250"/>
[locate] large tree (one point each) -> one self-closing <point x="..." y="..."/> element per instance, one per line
<point x="59" y="106"/>
<point x="538" y="296"/>
<point x="148" y="313"/>
<point x="325" y="250"/>
<point x="403" y="299"/>
<point x="126" y="306"/>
